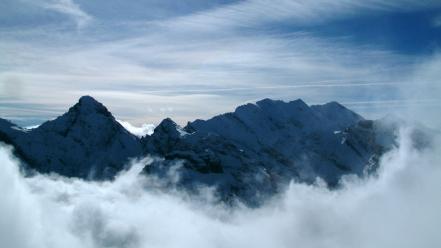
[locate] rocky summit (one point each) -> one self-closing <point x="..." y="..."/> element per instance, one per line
<point x="248" y="154"/>
<point x="85" y="142"/>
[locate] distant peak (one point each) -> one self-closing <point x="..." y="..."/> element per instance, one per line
<point x="168" y="122"/>
<point x="168" y="127"/>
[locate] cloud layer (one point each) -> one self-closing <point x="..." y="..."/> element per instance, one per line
<point x="399" y="208"/>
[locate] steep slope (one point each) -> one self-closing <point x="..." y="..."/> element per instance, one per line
<point x="85" y="142"/>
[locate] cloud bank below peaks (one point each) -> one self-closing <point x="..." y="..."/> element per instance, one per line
<point x="51" y="211"/>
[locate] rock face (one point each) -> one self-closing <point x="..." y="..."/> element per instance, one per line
<point x="247" y="154"/>
<point x="85" y="142"/>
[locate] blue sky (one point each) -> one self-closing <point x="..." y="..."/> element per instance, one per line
<point x="151" y="59"/>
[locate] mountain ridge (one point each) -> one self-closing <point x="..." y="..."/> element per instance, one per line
<point x="246" y="154"/>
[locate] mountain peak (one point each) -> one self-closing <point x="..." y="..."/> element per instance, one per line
<point x="88" y="105"/>
<point x="168" y="122"/>
<point x="85" y="142"/>
<point x="86" y="113"/>
<point x="88" y="100"/>
<point x="167" y="126"/>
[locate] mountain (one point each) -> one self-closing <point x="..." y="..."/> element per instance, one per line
<point x="248" y="154"/>
<point x="85" y="142"/>
<point x="254" y="151"/>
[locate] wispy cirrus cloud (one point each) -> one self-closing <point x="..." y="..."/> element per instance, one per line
<point x="205" y="62"/>
<point x="66" y="7"/>
<point x="256" y="12"/>
<point x="234" y="68"/>
<point x="70" y="8"/>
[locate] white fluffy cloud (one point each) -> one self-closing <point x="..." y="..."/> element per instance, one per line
<point x="400" y="208"/>
<point x="140" y="131"/>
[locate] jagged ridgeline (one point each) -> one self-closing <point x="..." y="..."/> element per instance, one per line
<point x="247" y="154"/>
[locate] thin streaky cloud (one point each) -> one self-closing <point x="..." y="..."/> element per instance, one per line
<point x="309" y="85"/>
<point x="67" y="7"/>
<point x="203" y="54"/>
<point x="255" y="12"/>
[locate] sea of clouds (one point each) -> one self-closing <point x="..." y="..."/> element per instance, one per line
<point x="398" y="208"/>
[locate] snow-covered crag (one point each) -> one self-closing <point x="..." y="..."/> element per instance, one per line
<point x="247" y="154"/>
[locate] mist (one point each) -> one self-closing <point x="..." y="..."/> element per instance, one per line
<point x="399" y="207"/>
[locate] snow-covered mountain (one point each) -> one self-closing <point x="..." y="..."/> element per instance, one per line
<point x="250" y="153"/>
<point x="85" y="142"/>
<point x="255" y="150"/>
